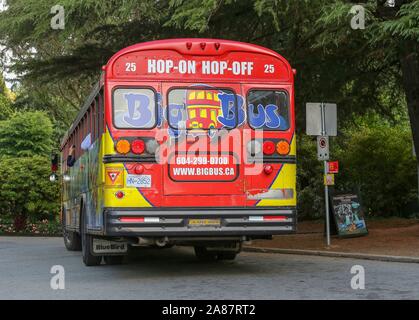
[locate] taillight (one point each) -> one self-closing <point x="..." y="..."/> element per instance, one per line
<point x="268" y="169"/>
<point x="139" y="169"/>
<point x="119" y="194"/>
<point x="283" y="147"/>
<point x="123" y="146"/>
<point x="138" y="146"/>
<point x="131" y="219"/>
<point x="268" y="147"/>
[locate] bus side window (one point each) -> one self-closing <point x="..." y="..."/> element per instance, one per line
<point x="93" y="120"/>
<point x="100" y="115"/>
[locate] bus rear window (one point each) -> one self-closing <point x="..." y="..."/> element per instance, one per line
<point x="201" y="108"/>
<point x="134" y="108"/>
<point x="268" y="109"/>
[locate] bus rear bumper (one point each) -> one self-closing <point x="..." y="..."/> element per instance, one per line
<point x="184" y="222"/>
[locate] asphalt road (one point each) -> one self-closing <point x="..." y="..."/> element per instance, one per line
<point x="25" y="265"/>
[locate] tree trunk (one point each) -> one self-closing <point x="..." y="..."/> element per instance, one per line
<point x="410" y="72"/>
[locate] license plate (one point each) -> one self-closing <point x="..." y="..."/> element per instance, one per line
<point x="204" y="222"/>
<point x="139" y="180"/>
<point x="106" y="246"/>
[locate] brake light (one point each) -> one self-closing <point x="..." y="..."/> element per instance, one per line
<point x="138" y="146"/>
<point x="123" y="146"/>
<point x="283" y="147"/>
<point x="268" y="147"/>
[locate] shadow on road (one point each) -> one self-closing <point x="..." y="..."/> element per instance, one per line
<point x="180" y="261"/>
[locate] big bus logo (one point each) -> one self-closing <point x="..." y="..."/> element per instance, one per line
<point x="203" y="108"/>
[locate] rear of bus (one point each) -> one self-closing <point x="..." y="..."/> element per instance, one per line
<point x="199" y="146"/>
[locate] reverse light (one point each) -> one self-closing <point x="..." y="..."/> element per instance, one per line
<point x="283" y="147"/>
<point x="151" y="146"/>
<point x="138" y="146"/>
<point x="268" y="147"/>
<point x="254" y="147"/>
<point x="123" y="146"/>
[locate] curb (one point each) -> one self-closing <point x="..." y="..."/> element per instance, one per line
<point x="334" y="254"/>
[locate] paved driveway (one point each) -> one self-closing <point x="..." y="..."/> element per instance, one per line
<point x="25" y="265"/>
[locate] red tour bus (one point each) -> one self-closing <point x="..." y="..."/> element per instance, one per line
<point x="182" y="142"/>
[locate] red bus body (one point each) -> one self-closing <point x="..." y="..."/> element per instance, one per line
<point x="173" y="99"/>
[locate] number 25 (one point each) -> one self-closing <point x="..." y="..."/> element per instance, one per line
<point x="269" y="68"/>
<point x="130" y="66"/>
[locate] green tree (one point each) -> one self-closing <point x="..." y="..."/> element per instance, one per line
<point x="26" y="134"/>
<point x="25" y="190"/>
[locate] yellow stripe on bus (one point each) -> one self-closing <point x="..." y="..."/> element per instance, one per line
<point x="133" y="197"/>
<point x="286" y="179"/>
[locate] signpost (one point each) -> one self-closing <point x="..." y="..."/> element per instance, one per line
<point x="417" y="164"/>
<point x="321" y="121"/>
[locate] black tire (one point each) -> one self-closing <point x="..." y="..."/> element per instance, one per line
<point x="86" y="243"/>
<point x="204" y="255"/>
<point x="72" y="239"/>
<point x="227" y="255"/>
<point x="113" y="260"/>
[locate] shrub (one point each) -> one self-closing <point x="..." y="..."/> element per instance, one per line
<point x="25" y="190"/>
<point x="26" y="134"/>
<point x="310" y="201"/>
<point x="378" y="160"/>
<point x="375" y="159"/>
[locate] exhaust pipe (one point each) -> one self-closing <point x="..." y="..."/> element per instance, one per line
<point x="161" y="242"/>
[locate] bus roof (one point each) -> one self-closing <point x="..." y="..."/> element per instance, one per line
<point x="171" y="52"/>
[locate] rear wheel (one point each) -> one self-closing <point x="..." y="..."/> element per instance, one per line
<point x="86" y="241"/>
<point x="72" y="240"/>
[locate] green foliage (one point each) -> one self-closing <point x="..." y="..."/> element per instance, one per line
<point x="5" y="108"/>
<point x="310" y="200"/>
<point x="378" y="159"/>
<point x="374" y="157"/>
<point x="25" y="189"/>
<point x="26" y="134"/>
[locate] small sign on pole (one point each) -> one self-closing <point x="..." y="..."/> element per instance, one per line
<point x="333" y="167"/>
<point x="322" y="148"/>
<point x="329" y="179"/>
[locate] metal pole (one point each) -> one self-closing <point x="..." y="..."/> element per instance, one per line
<point x="326" y="202"/>
<point x="326" y="188"/>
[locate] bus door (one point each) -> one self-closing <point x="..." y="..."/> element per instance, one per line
<point x="205" y="141"/>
